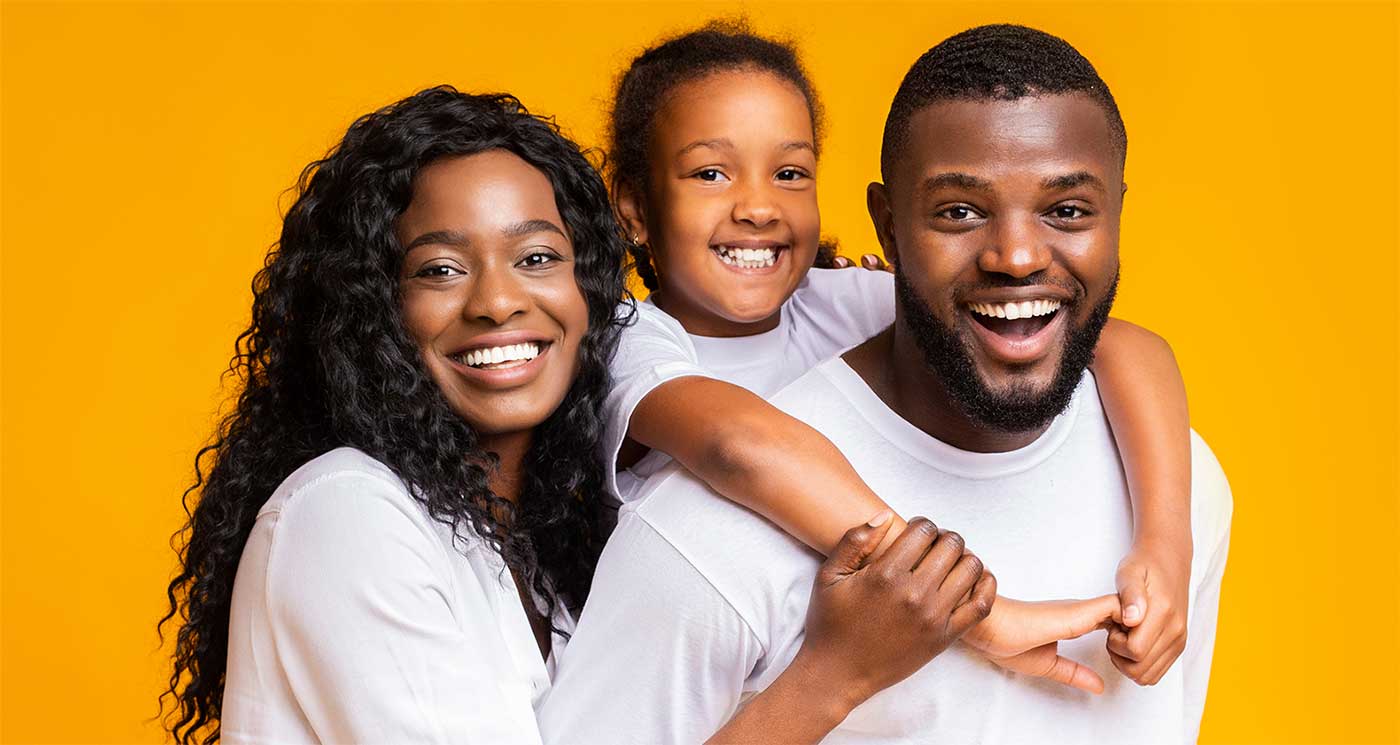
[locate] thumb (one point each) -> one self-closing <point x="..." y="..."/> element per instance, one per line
<point x="1068" y="672"/>
<point x="1132" y="595"/>
<point x="855" y="547"/>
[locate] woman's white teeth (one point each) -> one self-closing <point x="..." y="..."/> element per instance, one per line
<point x="1012" y="311"/>
<point x="518" y="353"/>
<point x="748" y="258"/>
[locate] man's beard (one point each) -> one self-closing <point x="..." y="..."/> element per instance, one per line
<point x="1018" y="409"/>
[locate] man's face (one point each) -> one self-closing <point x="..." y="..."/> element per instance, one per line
<point x="1002" y="218"/>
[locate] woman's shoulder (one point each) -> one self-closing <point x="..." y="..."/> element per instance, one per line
<point x="338" y="471"/>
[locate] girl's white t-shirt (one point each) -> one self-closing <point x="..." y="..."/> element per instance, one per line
<point x="831" y="311"/>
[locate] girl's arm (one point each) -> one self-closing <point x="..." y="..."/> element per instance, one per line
<point x="749" y="451"/>
<point x="1145" y="399"/>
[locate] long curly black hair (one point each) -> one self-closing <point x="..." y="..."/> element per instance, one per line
<point x="642" y="90"/>
<point x="327" y="362"/>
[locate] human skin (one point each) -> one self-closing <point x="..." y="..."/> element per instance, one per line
<point x="1026" y="192"/>
<point x="738" y="171"/>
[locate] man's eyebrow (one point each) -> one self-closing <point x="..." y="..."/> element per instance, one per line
<point x="717" y="144"/>
<point x="957" y="180"/>
<point x="526" y="227"/>
<point x="448" y="237"/>
<point x="1072" y="180"/>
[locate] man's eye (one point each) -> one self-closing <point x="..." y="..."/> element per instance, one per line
<point x="958" y="213"/>
<point x="438" y="270"/>
<point x="709" y="174"/>
<point x="1067" y="212"/>
<point x="538" y="260"/>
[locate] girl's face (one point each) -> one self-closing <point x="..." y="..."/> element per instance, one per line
<point x="488" y="289"/>
<point x="730" y="211"/>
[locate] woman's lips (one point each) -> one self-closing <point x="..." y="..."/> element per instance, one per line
<point x="506" y="373"/>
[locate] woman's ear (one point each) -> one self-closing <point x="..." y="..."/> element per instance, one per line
<point x="631" y="214"/>
<point x="877" y="202"/>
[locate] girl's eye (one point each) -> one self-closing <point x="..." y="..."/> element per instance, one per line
<point x="791" y="174"/>
<point x="438" y="270"/>
<point x="538" y="259"/>
<point x="709" y="174"/>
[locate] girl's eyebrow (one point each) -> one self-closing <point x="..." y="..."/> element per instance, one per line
<point x="715" y="144"/>
<point x="797" y="145"/>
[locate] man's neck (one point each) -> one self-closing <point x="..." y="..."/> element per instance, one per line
<point x="893" y="365"/>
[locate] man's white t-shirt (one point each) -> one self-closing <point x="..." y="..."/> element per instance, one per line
<point x="831" y="311"/>
<point x="357" y="618"/>
<point x="698" y="603"/>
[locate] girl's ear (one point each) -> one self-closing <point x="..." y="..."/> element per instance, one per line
<point x="631" y="213"/>
<point x="877" y="202"/>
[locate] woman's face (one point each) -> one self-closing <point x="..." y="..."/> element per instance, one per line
<point x="488" y="289"/>
<point x="731" y="205"/>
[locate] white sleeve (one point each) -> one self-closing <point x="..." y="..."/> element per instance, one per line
<point x="659" y="656"/>
<point x="359" y="599"/>
<point x="653" y="350"/>
<point x="844" y="307"/>
<point x="1211" y="510"/>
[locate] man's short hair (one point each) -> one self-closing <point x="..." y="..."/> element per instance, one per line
<point x="1001" y="62"/>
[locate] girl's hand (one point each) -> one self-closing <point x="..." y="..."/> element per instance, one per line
<point x="873" y="262"/>
<point x="1024" y="637"/>
<point x="1154" y="586"/>
<point x="872" y="625"/>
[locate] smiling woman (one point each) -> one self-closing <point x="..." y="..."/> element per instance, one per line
<point x="386" y="462"/>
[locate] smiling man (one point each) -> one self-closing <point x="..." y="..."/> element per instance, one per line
<point x="1003" y="187"/>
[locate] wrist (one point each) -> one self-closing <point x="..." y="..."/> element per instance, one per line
<point x="831" y="695"/>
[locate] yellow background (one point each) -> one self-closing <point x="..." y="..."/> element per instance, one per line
<point x="145" y="148"/>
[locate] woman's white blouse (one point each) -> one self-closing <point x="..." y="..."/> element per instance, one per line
<point x="355" y="618"/>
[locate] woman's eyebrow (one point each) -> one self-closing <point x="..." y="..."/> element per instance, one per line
<point x="526" y="227"/>
<point x="446" y="237"/>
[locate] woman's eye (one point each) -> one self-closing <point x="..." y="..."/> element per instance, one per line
<point x="538" y="260"/>
<point x="438" y="270"/>
<point x="709" y="174"/>
<point x="791" y="174"/>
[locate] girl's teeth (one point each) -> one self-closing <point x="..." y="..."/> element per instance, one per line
<point x="748" y="258"/>
<point x="1012" y="311"/>
<point x="499" y="355"/>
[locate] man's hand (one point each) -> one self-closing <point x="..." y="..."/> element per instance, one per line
<point x="1154" y="588"/>
<point x="1024" y="637"/>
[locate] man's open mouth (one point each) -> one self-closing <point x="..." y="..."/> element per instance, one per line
<point x="1015" y="320"/>
<point x="749" y="258"/>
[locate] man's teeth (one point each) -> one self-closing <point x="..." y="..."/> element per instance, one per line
<point x="747" y="258"/>
<point x="519" y="353"/>
<point x="1012" y="311"/>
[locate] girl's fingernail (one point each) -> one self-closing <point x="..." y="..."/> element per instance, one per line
<point x="880" y="519"/>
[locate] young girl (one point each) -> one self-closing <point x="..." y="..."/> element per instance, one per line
<point x="714" y="144"/>
<point x="403" y="502"/>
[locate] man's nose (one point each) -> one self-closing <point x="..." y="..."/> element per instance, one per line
<point x="1016" y="249"/>
<point x="754" y="204"/>
<point x="496" y="296"/>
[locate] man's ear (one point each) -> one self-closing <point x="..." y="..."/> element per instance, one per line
<point x="877" y="202"/>
<point x="631" y="213"/>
